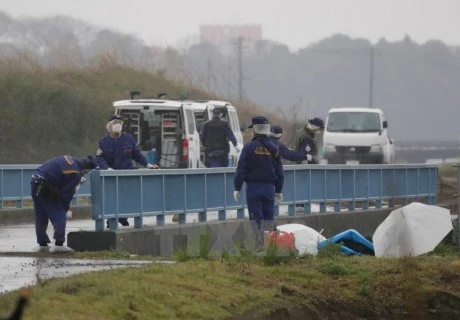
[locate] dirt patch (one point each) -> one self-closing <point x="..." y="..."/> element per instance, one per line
<point x="441" y="306"/>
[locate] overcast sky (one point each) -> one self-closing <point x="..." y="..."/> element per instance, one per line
<point x="296" y="23"/>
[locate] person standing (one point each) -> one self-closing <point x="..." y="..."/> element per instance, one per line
<point x="215" y="136"/>
<point x="285" y="152"/>
<point x="117" y="150"/>
<point x="305" y="141"/>
<point x="53" y="186"/>
<point x="261" y="168"/>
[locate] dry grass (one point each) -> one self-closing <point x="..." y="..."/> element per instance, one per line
<point x="227" y="287"/>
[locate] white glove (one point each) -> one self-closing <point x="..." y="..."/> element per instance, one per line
<point x="69" y="214"/>
<point x="109" y="169"/>
<point x="237" y="148"/>
<point x="278" y="198"/>
<point x="152" y="166"/>
<point x="236" y="195"/>
<point x="309" y="157"/>
<point x="82" y="180"/>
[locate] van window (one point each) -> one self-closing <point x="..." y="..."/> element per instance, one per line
<point x="353" y="122"/>
<point x="190" y="121"/>
<point x="131" y="119"/>
<point x="199" y="120"/>
<point x="233" y="121"/>
<point x="150" y="129"/>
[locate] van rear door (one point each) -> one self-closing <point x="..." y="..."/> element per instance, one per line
<point x="190" y="138"/>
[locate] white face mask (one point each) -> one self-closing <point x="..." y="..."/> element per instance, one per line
<point x="116" y="128"/>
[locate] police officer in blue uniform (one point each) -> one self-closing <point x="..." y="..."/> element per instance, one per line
<point x="53" y="186"/>
<point x="285" y="152"/>
<point x="215" y="136"/>
<point x="117" y="150"/>
<point x="261" y="168"/>
<point x="306" y="142"/>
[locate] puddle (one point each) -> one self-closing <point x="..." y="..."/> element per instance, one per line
<point x="18" y="272"/>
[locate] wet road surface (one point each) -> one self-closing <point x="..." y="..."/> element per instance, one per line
<point x="25" y="268"/>
<point x="18" y="272"/>
<point x="21" y="266"/>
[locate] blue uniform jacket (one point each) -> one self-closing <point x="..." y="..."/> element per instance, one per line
<point x="306" y="143"/>
<point x="63" y="172"/>
<point x="228" y="130"/>
<point x="287" y="153"/>
<point x="118" y="153"/>
<point x="260" y="162"/>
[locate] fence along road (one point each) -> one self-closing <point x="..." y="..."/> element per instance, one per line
<point x="15" y="185"/>
<point x="142" y="193"/>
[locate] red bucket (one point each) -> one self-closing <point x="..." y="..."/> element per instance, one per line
<point x="281" y="239"/>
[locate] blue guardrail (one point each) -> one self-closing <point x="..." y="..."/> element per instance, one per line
<point x="15" y="186"/>
<point x="141" y="193"/>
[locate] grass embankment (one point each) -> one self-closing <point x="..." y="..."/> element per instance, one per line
<point x="244" y="286"/>
<point x="49" y="112"/>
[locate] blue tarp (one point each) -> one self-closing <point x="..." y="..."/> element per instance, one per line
<point x="353" y="243"/>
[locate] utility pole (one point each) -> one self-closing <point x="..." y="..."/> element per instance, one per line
<point x="240" y="68"/>
<point x="208" y="80"/>
<point x="371" y="78"/>
<point x="229" y="77"/>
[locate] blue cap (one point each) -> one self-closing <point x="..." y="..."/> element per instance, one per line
<point x="216" y="111"/>
<point x="88" y="163"/>
<point x="276" y="129"/>
<point x="259" y="120"/>
<point x="317" y="122"/>
<point x="115" y="117"/>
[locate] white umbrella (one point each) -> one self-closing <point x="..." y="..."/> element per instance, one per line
<point x="411" y="230"/>
<point x="306" y="239"/>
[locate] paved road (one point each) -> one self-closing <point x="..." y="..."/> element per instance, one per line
<point x="24" y="270"/>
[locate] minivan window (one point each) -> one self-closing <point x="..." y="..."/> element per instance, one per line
<point x="199" y="120"/>
<point x="354" y="122"/>
<point x="190" y="123"/>
<point x="131" y="122"/>
<point x="150" y="130"/>
<point x="233" y="121"/>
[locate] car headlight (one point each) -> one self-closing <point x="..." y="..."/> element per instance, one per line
<point x="376" y="148"/>
<point x="329" y="148"/>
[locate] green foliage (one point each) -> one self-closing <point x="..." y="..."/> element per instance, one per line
<point x="205" y="245"/>
<point x="275" y="255"/>
<point x="445" y="249"/>
<point x="46" y="113"/>
<point x="333" y="268"/>
<point x="226" y="289"/>
<point x="331" y="250"/>
<point x="203" y="250"/>
<point x="183" y="256"/>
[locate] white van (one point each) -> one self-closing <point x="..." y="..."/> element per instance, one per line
<point x="164" y="129"/>
<point x="167" y="131"/>
<point x="203" y="113"/>
<point x="357" y="135"/>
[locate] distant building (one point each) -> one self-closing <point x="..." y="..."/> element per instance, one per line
<point x="224" y="37"/>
